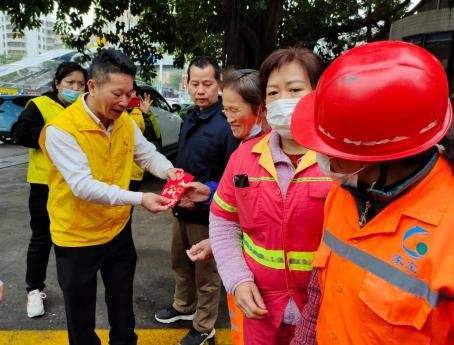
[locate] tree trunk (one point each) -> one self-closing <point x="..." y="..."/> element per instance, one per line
<point x="248" y="40"/>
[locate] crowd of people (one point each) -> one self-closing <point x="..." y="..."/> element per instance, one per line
<point x="323" y="200"/>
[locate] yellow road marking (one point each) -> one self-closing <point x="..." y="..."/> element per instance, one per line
<point x="146" y="336"/>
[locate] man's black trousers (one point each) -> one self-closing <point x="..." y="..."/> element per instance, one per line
<point x="77" y="269"/>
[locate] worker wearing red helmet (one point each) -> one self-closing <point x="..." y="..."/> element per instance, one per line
<point x="385" y="267"/>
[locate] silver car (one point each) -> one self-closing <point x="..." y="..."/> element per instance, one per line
<point x="169" y="121"/>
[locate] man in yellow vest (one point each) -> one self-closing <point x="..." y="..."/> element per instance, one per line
<point x="92" y="146"/>
<point x="68" y="83"/>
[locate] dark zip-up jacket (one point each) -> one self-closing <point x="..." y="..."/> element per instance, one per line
<point x="204" y="148"/>
<point x="30" y="122"/>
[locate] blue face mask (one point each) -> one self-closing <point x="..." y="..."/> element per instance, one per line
<point x="255" y="130"/>
<point x="69" y="96"/>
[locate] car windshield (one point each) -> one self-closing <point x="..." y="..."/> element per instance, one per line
<point x="33" y="76"/>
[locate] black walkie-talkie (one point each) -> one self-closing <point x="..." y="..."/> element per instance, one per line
<point x="241" y="181"/>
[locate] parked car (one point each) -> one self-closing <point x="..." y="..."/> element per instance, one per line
<point x="168" y="118"/>
<point x="10" y="108"/>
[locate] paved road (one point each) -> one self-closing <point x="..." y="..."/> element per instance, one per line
<point x="152" y="233"/>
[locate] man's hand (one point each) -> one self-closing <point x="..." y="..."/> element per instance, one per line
<point x="155" y="203"/>
<point x="249" y="300"/>
<point x="196" y="191"/>
<point x="145" y="103"/>
<point x="174" y="173"/>
<point x="200" y="251"/>
<point x="1" y="291"/>
<point x="186" y="203"/>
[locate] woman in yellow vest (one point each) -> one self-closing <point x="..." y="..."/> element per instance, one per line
<point x="138" y="107"/>
<point x="69" y="81"/>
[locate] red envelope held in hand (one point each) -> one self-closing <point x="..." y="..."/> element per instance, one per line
<point x="173" y="189"/>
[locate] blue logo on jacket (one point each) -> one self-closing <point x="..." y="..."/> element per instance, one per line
<point x="418" y="249"/>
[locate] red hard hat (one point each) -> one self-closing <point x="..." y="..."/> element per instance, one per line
<point x="380" y="101"/>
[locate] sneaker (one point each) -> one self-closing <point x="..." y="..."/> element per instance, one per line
<point x="170" y="314"/>
<point x="35" y="305"/>
<point x="195" y="337"/>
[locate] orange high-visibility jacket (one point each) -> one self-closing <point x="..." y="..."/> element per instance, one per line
<point x="392" y="281"/>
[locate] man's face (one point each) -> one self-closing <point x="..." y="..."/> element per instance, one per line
<point x="203" y="87"/>
<point x="111" y="97"/>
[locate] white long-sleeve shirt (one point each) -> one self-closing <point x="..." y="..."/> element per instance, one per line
<point x="72" y="163"/>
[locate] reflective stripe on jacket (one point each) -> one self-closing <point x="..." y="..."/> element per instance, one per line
<point x="279" y="234"/>
<point x="38" y="169"/>
<point x="391" y="281"/>
<point x="73" y="221"/>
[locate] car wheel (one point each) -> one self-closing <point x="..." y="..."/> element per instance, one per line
<point x="6" y="139"/>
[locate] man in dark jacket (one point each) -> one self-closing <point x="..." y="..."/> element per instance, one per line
<point x="205" y="145"/>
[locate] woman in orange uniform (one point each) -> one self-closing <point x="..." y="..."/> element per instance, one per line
<point x="243" y="106"/>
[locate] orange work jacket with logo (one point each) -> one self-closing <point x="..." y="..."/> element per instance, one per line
<point x="392" y="281"/>
<point x="75" y="222"/>
<point x="280" y="234"/>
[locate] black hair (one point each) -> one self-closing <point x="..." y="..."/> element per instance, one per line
<point x="204" y="61"/>
<point x="64" y="69"/>
<point x="310" y="61"/>
<point x="111" y="61"/>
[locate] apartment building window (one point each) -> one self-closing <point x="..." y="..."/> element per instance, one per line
<point x="16" y="44"/>
<point x="441" y="45"/>
<point x="418" y="39"/>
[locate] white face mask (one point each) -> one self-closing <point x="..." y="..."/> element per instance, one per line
<point x="256" y="129"/>
<point x="279" y="114"/>
<point x="350" y="179"/>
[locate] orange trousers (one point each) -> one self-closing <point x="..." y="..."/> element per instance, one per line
<point x="236" y="321"/>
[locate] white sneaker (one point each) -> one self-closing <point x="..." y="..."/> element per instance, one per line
<point x="35" y="305"/>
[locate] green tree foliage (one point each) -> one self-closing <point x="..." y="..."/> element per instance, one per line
<point x="238" y="32"/>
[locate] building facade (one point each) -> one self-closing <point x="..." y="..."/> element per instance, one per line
<point x="32" y="43"/>
<point x="431" y="26"/>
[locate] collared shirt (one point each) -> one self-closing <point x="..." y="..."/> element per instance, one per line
<point x="72" y="163"/>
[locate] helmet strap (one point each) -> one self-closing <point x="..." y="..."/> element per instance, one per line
<point x="382" y="177"/>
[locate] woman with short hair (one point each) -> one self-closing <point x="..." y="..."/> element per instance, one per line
<point x="68" y="83"/>
<point x="267" y="214"/>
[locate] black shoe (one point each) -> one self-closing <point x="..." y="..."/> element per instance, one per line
<point x="195" y="337"/>
<point x="170" y="314"/>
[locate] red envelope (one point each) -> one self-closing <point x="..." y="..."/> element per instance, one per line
<point x="173" y="189"/>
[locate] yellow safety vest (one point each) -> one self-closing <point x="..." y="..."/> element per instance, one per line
<point x="38" y="170"/>
<point x="136" y="115"/>
<point x="75" y="222"/>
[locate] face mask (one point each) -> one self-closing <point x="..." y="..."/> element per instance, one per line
<point x="255" y="130"/>
<point x="69" y="96"/>
<point x="279" y="113"/>
<point x="350" y="179"/>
